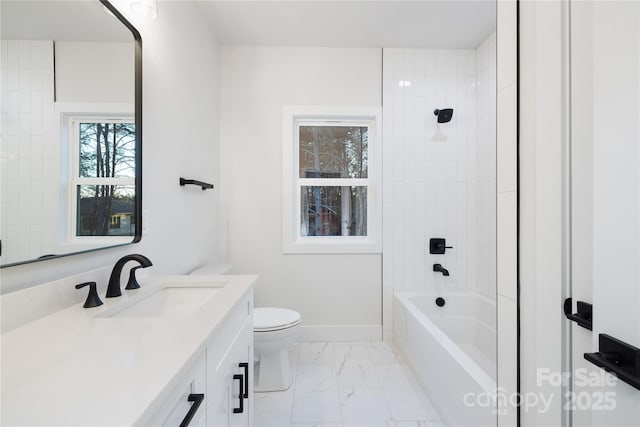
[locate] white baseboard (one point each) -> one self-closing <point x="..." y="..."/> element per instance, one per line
<point x="340" y="333"/>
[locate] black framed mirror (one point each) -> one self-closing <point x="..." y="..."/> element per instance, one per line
<point x="71" y="147"/>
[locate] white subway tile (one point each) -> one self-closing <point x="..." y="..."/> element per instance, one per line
<point x="507" y="356"/>
<point x="24" y="55"/>
<point x="507" y="244"/>
<point x="440" y="188"/>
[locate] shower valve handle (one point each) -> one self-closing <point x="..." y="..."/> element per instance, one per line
<point x="438" y="245"/>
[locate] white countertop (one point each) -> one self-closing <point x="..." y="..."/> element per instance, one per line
<point x="74" y="367"/>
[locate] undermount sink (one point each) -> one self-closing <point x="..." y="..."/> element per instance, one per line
<point x="170" y="301"/>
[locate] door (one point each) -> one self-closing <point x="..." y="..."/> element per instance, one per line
<point x="605" y="202"/>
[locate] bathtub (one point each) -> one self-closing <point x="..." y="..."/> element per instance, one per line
<point x="452" y="351"/>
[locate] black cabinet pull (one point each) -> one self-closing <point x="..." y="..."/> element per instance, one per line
<point x="584" y="316"/>
<point x="246" y="379"/>
<point x="197" y="400"/>
<point x="618" y="357"/>
<point x="239" y="409"/>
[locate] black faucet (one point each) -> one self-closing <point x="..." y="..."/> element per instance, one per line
<point x="113" y="290"/>
<point x="440" y="269"/>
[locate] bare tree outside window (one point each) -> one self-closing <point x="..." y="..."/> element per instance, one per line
<point x="107" y="154"/>
<point x="333" y="152"/>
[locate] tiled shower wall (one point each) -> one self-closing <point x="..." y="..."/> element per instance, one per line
<point x="439" y="180"/>
<point x="27" y="152"/>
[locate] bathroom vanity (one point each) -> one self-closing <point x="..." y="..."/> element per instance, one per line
<point x="177" y="351"/>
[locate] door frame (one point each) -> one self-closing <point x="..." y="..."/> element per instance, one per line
<point x="544" y="207"/>
<point x="507" y="200"/>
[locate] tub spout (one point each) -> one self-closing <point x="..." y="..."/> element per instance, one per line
<point x="440" y="269"/>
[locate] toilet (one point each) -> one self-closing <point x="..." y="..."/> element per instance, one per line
<point x="212" y="270"/>
<point x="274" y="331"/>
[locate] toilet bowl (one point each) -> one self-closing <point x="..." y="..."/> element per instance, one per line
<point x="274" y="331"/>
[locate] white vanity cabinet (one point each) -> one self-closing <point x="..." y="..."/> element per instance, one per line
<point x="230" y="401"/>
<point x="180" y="407"/>
<point x="223" y="375"/>
<point x="230" y="372"/>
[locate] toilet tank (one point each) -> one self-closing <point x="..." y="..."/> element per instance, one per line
<point x="212" y="270"/>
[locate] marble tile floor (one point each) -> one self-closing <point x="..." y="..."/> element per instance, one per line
<point x="345" y="384"/>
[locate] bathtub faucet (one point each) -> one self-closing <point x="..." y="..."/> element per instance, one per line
<point x="440" y="269"/>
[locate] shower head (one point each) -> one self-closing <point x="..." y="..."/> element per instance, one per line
<point x="444" y="115"/>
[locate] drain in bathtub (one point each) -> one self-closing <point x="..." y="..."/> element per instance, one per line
<point x="440" y="301"/>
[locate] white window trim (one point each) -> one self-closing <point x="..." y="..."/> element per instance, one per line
<point x="74" y="176"/>
<point x="292" y="241"/>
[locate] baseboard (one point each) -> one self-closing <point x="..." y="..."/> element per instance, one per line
<point x="340" y="333"/>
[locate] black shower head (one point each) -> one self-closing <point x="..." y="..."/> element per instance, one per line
<point x="444" y="115"/>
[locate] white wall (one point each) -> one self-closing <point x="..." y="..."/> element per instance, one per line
<point x="180" y="138"/>
<point x="94" y="72"/>
<point x="439" y="188"/>
<point x="332" y="292"/>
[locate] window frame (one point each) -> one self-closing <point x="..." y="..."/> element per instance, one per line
<point x="74" y="179"/>
<point x="293" y="118"/>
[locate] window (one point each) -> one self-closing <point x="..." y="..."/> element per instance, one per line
<point x="102" y="184"/>
<point x="332" y="172"/>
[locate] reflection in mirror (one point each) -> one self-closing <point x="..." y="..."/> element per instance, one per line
<point x="70" y="129"/>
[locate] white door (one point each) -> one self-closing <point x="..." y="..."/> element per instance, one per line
<point x="605" y="202"/>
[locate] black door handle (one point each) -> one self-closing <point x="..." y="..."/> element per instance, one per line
<point x="584" y="316"/>
<point x="197" y="400"/>
<point x="246" y="379"/>
<point x="240" y="408"/>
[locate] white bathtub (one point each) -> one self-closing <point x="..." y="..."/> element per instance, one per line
<point x="452" y="351"/>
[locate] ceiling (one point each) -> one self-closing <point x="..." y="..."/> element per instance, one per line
<point x="70" y="20"/>
<point x="338" y="23"/>
<point x="410" y="24"/>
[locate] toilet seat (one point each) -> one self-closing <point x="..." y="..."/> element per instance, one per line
<point x="270" y="319"/>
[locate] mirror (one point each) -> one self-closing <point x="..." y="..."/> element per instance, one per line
<point x="71" y="129"/>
